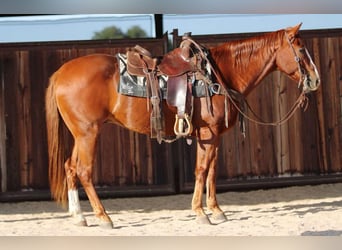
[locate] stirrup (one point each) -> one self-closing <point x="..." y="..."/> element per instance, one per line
<point x="179" y="126"/>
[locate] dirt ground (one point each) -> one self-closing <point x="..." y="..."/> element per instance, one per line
<point x="293" y="211"/>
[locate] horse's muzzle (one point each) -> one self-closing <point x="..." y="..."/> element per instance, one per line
<point x="311" y="84"/>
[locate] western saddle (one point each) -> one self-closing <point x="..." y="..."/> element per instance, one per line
<point x="181" y="66"/>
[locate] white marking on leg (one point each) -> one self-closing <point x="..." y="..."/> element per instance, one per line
<point x="75" y="208"/>
<point x="74" y="202"/>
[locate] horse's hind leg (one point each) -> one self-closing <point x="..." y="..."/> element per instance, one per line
<point x="85" y="159"/>
<point x="74" y="202"/>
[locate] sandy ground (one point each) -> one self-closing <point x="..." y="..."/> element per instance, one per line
<point x="294" y="211"/>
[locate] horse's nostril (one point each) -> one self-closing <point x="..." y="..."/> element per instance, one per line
<point x="317" y="83"/>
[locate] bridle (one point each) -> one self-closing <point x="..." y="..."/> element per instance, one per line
<point x="304" y="78"/>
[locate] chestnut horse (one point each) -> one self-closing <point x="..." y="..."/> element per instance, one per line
<point x="83" y="92"/>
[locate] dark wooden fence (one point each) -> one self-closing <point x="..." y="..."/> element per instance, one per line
<point x="304" y="150"/>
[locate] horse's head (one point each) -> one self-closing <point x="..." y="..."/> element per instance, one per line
<point x="294" y="59"/>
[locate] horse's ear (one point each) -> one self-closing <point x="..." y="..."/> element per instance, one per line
<point x="293" y="31"/>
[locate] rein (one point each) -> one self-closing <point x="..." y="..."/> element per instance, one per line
<point x="301" y="102"/>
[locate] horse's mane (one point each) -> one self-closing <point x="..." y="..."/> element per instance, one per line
<point x="242" y="50"/>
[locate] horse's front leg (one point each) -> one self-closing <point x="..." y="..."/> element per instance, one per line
<point x="206" y="163"/>
<point x="218" y="214"/>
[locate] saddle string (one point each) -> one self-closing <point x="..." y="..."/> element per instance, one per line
<point x="200" y="74"/>
<point x="153" y="92"/>
<point x="210" y="83"/>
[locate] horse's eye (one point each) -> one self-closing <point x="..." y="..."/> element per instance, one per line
<point x="302" y="50"/>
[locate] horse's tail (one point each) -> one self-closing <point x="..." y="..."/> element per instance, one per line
<point x="57" y="177"/>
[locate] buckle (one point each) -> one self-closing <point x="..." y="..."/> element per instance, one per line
<point x="215" y="88"/>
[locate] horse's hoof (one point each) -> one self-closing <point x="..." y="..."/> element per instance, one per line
<point x="79" y="220"/>
<point x="81" y="223"/>
<point x="220" y="217"/>
<point x="204" y="220"/>
<point x="107" y="225"/>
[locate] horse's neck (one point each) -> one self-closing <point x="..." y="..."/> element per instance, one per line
<point x="244" y="64"/>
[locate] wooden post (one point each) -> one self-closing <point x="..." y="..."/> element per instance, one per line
<point x="281" y="132"/>
<point x="3" y="168"/>
<point x="320" y="111"/>
<point x="158" y="21"/>
<point x="24" y="121"/>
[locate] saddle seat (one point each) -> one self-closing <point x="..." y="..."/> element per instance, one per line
<point x="178" y="62"/>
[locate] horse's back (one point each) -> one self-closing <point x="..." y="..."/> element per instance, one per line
<point x="86" y="67"/>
